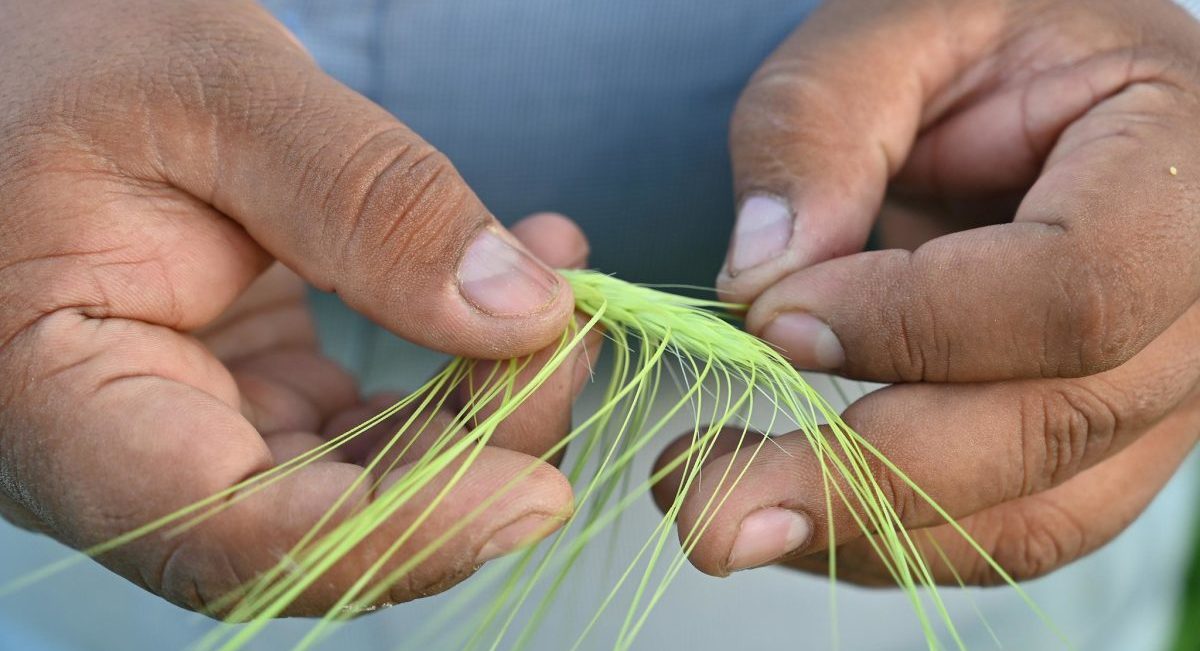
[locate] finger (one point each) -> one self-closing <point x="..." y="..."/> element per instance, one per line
<point x="534" y="428"/>
<point x="999" y="441"/>
<point x="336" y="188"/>
<point x="292" y="389"/>
<point x="545" y="417"/>
<point x="539" y="423"/>
<point x="290" y="444"/>
<point x="1097" y="263"/>
<point x="272" y="313"/>
<point x="1033" y="535"/>
<point x="907" y="221"/>
<point x="356" y="450"/>
<point x="19" y="516"/>
<point x="813" y="149"/>
<point x="423" y="431"/>
<point x="523" y="506"/>
<point x="553" y="239"/>
<point x="155" y="426"/>
<point x="684" y="453"/>
<point x="406" y="437"/>
<point x="1018" y="124"/>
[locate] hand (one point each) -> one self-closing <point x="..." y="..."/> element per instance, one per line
<point x="1046" y="338"/>
<point x="155" y="159"/>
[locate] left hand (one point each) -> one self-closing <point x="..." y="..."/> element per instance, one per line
<point x="1045" y="340"/>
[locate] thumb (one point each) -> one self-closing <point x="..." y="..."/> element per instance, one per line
<point x="353" y="200"/>
<point x="819" y="130"/>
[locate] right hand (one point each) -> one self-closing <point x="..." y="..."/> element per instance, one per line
<point x="155" y="159"/>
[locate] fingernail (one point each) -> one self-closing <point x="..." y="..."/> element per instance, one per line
<point x="502" y="280"/>
<point x="806" y="340"/>
<point x="767" y="535"/>
<point x="522" y="532"/>
<point x="764" y="227"/>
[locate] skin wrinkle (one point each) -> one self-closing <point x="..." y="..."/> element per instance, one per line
<point x="171" y="312"/>
<point x="30" y="327"/>
<point x="454" y="223"/>
<point x="177" y="550"/>
<point x="199" y="597"/>
<point x="352" y="238"/>
<point x="911" y="370"/>
<point x="1094" y="413"/>
<point x="1090" y="420"/>
<point x="1014" y="559"/>
<point x="989" y="532"/>
<point x="917" y="360"/>
<point x="331" y="199"/>
<point x="1064" y="151"/>
<point x="11" y="266"/>
<point x="427" y="188"/>
<point x="102" y="301"/>
<point x="1050" y="366"/>
<point x="176" y="545"/>
<point x="1111" y="332"/>
<point x="935" y="361"/>
<point x="1042" y="547"/>
<point x="897" y="493"/>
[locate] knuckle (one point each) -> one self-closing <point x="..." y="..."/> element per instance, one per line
<point x="779" y="97"/>
<point x="1035" y="541"/>
<point x="795" y="93"/>
<point x="898" y="493"/>
<point x="1063" y="431"/>
<point x="196" y="573"/>
<point x="786" y="106"/>
<point x="394" y="200"/>
<point x="906" y="349"/>
<point x="919" y="342"/>
<point x="792" y="101"/>
<point x="1101" y="326"/>
<point x="418" y="585"/>
<point x="14" y="512"/>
